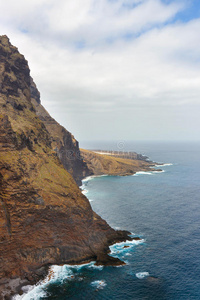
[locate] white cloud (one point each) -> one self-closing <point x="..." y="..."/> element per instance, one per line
<point x="111" y="76"/>
<point x="90" y="21"/>
<point x="95" y="22"/>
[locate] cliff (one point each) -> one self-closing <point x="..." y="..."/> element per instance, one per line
<point x="99" y="164"/>
<point x="44" y="218"/>
<point x="62" y="141"/>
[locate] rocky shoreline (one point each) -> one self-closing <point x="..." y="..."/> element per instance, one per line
<point x="14" y="286"/>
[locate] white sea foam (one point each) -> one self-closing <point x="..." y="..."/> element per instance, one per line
<point x="69" y="272"/>
<point x="79" y="267"/>
<point x="148" y="173"/>
<point x="142" y="173"/>
<point x="119" y="248"/>
<point x="84" y="192"/>
<point x="99" y="284"/>
<point x="132" y="234"/>
<point x="164" y="165"/>
<point x="162" y="171"/>
<point x="56" y="274"/>
<point x="86" y="179"/>
<point x="31" y="293"/>
<point x="93" y="266"/>
<point x="142" y="275"/>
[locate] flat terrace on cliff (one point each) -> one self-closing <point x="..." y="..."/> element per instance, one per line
<point x="122" y="154"/>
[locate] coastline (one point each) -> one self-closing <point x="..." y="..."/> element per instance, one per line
<point x="116" y="163"/>
<point x="66" y="271"/>
<point x="137" y="268"/>
<point x="103" y="258"/>
<point x="141" y="170"/>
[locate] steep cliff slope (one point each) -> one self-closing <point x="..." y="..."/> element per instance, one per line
<point x="44" y="218"/>
<point x="62" y="141"/>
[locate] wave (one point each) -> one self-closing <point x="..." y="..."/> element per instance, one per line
<point x="84" y="192"/>
<point x="164" y="165"/>
<point x="120" y="248"/>
<point x="148" y="173"/>
<point x="86" y="179"/>
<point x="59" y="274"/>
<point x="99" y="284"/>
<point x="56" y="274"/>
<point x="142" y="275"/>
<point x="31" y="293"/>
<point x="93" y="266"/>
<point x="142" y="173"/>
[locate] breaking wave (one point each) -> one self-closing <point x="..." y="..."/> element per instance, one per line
<point x="56" y="274"/>
<point x="142" y="275"/>
<point x="148" y="173"/>
<point x="123" y="247"/>
<point x="99" y="284"/>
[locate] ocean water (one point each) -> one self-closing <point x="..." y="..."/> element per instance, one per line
<point x="163" y="208"/>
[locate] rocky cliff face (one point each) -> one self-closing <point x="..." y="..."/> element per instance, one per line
<point x="62" y="141"/>
<point x="44" y="218"/>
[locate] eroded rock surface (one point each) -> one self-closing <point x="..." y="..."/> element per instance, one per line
<point x="44" y="218"/>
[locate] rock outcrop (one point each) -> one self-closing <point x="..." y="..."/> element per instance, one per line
<point x="44" y="218"/>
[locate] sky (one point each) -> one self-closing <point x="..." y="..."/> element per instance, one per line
<point x="113" y="69"/>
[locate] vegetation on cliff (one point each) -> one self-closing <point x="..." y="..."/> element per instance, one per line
<point x="44" y="217"/>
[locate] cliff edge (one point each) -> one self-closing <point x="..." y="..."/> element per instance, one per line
<point x="62" y="141"/>
<point x="44" y="218"/>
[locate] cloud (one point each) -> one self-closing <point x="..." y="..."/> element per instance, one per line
<point x="88" y="21"/>
<point x="108" y="59"/>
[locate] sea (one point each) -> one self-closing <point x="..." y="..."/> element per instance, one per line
<point x="163" y="209"/>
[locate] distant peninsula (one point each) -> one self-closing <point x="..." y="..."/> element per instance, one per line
<point x="116" y="163"/>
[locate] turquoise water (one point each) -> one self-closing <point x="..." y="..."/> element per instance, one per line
<point x="164" y="210"/>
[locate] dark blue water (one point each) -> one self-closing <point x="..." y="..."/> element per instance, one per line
<point x="164" y="210"/>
